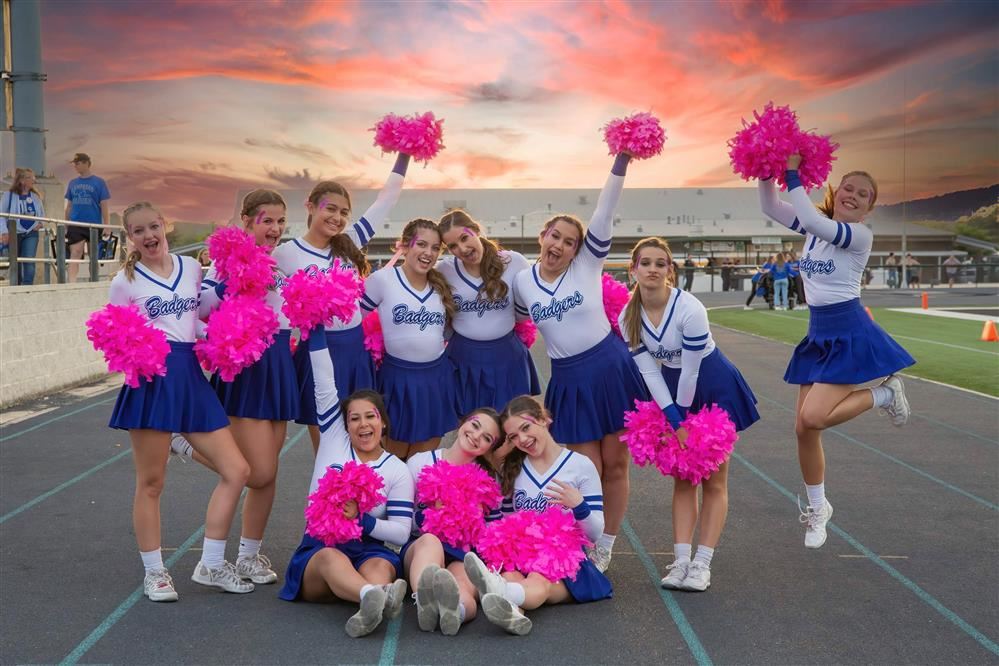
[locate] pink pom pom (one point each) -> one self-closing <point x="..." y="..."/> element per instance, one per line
<point x="324" y="518"/>
<point x="129" y="342"/>
<point x="645" y="432"/>
<point x="293" y="345"/>
<point x="246" y="267"/>
<point x="761" y="148"/>
<point x="239" y="332"/>
<point x="615" y="298"/>
<point x="318" y="298"/>
<point x="458" y="498"/>
<point x="419" y="135"/>
<point x="374" y="341"/>
<point x="710" y="440"/>
<point x="527" y="332"/>
<point x="639" y="134"/>
<point x="816" y="159"/>
<point x="549" y="543"/>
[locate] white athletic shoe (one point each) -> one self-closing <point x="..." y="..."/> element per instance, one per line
<point x="448" y="601"/>
<point x="677" y="572"/>
<point x="180" y="448"/>
<point x="504" y="614"/>
<point x="369" y="615"/>
<point x="484" y="580"/>
<point x="698" y="577"/>
<point x="600" y="556"/>
<point x="158" y="586"/>
<point x="426" y="603"/>
<point x="747" y="307"/>
<point x="898" y="410"/>
<point x="815" y="521"/>
<point x="225" y="578"/>
<point x="395" y="596"/>
<point x="256" y="568"/>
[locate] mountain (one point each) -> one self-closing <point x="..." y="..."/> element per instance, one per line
<point x="945" y="207"/>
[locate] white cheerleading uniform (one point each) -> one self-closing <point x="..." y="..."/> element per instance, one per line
<point x="181" y="401"/>
<point x="678" y="357"/>
<point x="412" y="321"/>
<point x="593" y="380"/>
<point x="843" y="345"/>
<point x="492" y="365"/>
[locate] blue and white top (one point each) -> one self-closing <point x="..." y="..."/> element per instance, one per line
<point x="170" y="303"/>
<point x="297" y="254"/>
<point x="213" y="291"/>
<point x="412" y="321"/>
<point x="569" y="312"/>
<point x="835" y="253"/>
<point x="417" y="462"/>
<point x="680" y="340"/>
<point x="25" y="204"/>
<point x="390" y="521"/>
<point x="481" y="318"/>
<point x="573" y="469"/>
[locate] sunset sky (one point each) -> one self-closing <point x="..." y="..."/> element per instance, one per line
<point x="184" y="102"/>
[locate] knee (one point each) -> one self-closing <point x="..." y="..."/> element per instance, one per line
<point x="150" y="487"/>
<point x="261" y="477"/>
<point x="809" y="419"/>
<point x="236" y="472"/>
<point x="718" y="490"/>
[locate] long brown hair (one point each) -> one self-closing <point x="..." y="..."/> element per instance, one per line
<point x="257" y="198"/>
<point x="571" y="219"/>
<point x="633" y="311"/>
<point x="19" y="175"/>
<point x="514" y="461"/>
<point x="829" y="203"/>
<point x="434" y="276"/>
<point x="492" y="265"/>
<point x="482" y="461"/>
<point x="375" y="399"/>
<point x="340" y="245"/>
<point x="133" y="257"/>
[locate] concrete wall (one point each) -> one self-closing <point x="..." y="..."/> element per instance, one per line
<point x="43" y="342"/>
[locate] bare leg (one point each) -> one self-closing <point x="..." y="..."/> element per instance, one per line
<point x="615" y="479"/>
<point x="811" y="458"/>
<point x="220" y="448"/>
<point x="260" y="442"/>
<point x="714" y="507"/>
<point x="425" y="551"/>
<point x="75" y="252"/>
<point x="150" y="449"/>
<point x="466" y="590"/>
<point x="314" y="435"/>
<point x="831" y="404"/>
<point x="684" y="511"/>
<point x="538" y="590"/>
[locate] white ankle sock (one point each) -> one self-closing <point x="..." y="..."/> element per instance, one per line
<point x="816" y="496"/>
<point x="213" y="553"/>
<point x="515" y="593"/>
<point x="180" y="446"/>
<point x="152" y="559"/>
<point x="367" y="588"/>
<point x="882" y="395"/>
<point x="704" y="555"/>
<point x="682" y="551"/>
<point x="607" y="541"/>
<point x="461" y="611"/>
<point x="248" y="547"/>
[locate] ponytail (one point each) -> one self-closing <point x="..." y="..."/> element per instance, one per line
<point x="633" y="311"/>
<point x="829" y="203"/>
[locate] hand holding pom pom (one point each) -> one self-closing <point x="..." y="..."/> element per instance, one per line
<point x="325" y="514"/>
<point x="374" y="341"/>
<point x="457" y="497"/>
<point x="239" y="332"/>
<point x="313" y="299"/>
<point x="640" y="135"/>
<point x="246" y="267"/>
<point x="527" y="332"/>
<point x="420" y="135"/>
<point x="130" y="344"/>
<point x="615" y="299"/>
<point x="549" y="543"/>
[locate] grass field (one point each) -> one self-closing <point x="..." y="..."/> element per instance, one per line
<point x="946" y="350"/>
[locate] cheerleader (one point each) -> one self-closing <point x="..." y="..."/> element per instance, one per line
<point x="436" y="570"/>
<point x="414" y="305"/>
<point x="669" y="337"/>
<point x="492" y="365"/>
<point x="593" y="380"/>
<point x="165" y="287"/>
<point x="366" y="571"/>
<point x="843" y="347"/>
<point x="539" y="472"/>
<point x="328" y="238"/>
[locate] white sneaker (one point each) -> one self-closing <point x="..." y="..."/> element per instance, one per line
<point x="426" y="603"/>
<point x="698" y="577"/>
<point x="225" y="578"/>
<point x="504" y="614"/>
<point x="158" y="586"/>
<point x="180" y="448"/>
<point x="747" y="307"/>
<point x="815" y="530"/>
<point x="898" y="410"/>
<point x="256" y="568"/>
<point x="600" y="556"/>
<point x="395" y="596"/>
<point x="369" y="615"/>
<point x="677" y="572"/>
<point x="484" y="580"/>
<point x="448" y="601"/>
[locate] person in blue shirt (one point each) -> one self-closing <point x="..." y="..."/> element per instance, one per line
<point x="87" y="200"/>
<point x="24" y="198"/>
<point x="781" y="272"/>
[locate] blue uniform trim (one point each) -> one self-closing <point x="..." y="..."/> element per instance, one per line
<point x="594" y="250"/>
<point x="839" y="233"/>
<point x="537" y="281"/>
<point x="519" y="308"/>
<point x="811" y="245"/>
<point x="581" y="511"/>
<point x="796" y="226"/>
<point x="849" y="236"/>
<point x="402" y="503"/>
<point x="640" y="350"/>
<point x="180" y="274"/>
<point x="325" y="415"/>
<point x="399" y="512"/>
<point x="602" y="244"/>
<point x="693" y="347"/>
<point x="368" y="523"/>
<point x="327" y="257"/>
<point x="421" y="299"/>
<point x="367" y="303"/>
<point x="467" y="280"/>
<point x="692" y="338"/>
<point x="364" y="231"/>
<point x="550" y="476"/>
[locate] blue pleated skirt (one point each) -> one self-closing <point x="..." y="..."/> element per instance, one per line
<point x="589" y="393"/>
<point x="359" y="552"/>
<point x="420" y="397"/>
<point x="451" y="554"/>
<point x="180" y="401"/>
<point x="266" y="390"/>
<point x="490" y="373"/>
<point x="719" y="382"/>
<point x="844" y="346"/>
<point x="590" y="584"/>
<point x="353" y="370"/>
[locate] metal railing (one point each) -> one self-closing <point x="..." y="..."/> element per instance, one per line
<point x="57" y="229"/>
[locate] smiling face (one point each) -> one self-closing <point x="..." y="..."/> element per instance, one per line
<point x="364" y="425"/>
<point x="266" y="225"/>
<point x="652" y="268"/>
<point x="422" y="251"/>
<point x="854" y="198"/>
<point x="527" y="434"/>
<point x="147" y="232"/>
<point x="477" y="435"/>
<point x="559" y="245"/>
<point x="330" y="215"/>
<point x="464" y="244"/>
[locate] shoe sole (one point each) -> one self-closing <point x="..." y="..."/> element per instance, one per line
<point x="369" y="616"/>
<point x="261" y="580"/>
<point x="475" y="572"/>
<point x="499" y="611"/>
<point x="448" y="600"/>
<point x="905" y="405"/>
<point x="162" y="597"/>
<point x="691" y="588"/>
<point x="426" y="607"/>
<point x="395" y="596"/>
<point x="826" y="536"/>
<point x="670" y="586"/>
<point x="220" y="586"/>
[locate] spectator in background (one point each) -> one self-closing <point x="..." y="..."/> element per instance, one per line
<point x="781" y="271"/>
<point x="204" y="259"/>
<point x="758" y="287"/>
<point x="87" y="200"/>
<point x="24" y="198"/>
<point x="797" y="285"/>
<point x="950" y="267"/>
<point x="911" y="271"/>
<point x="891" y="264"/>
<point x="726" y="274"/>
<point x="688" y="273"/>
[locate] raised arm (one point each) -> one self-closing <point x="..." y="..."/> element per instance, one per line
<point x="398" y="522"/>
<point x="333" y="438"/>
<point x="777" y="210"/>
<point x="853" y="237"/>
<point x="600" y="231"/>
<point x="363" y="230"/>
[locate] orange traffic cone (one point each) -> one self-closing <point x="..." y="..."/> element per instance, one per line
<point x="869" y="313"/>
<point x="989" y="332"/>
<point x="926" y="301"/>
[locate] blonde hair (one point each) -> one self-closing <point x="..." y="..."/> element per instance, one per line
<point x="341" y="245"/>
<point x="492" y="266"/>
<point x="633" y="310"/>
<point x="133" y="257"/>
<point x="19" y="174"/>
<point x="829" y="203"/>
<point x="434" y="276"/>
